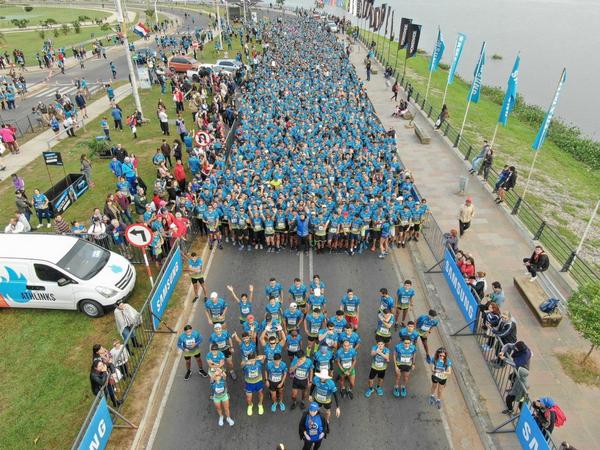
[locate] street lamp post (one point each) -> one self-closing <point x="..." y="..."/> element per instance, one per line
<point x="219" y="29"/>
<point x="155" y="13"/>
<point x="134" y="86"/>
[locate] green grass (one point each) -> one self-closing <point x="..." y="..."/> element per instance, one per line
<point x="587" y="373"/>
<point x="39" y="14"/>
<point x="513" y="143"/>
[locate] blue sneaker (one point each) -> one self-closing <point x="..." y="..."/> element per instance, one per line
<point x="396" y="392"/>
<point x="438" y="403"/>
<point x="403" y="391"/>
<point x="429" y="359"/>
<point x="274" y="407"/>
<point x="368" y="392"/>
<point x="379" y="391"/>
<point x="281" y="406"/>
<point x="431" y="400"/>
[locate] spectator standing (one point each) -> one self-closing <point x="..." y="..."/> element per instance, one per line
<point x="117" y="116"/>
<point x="127" y="319"/>
<point x="508" y="184"/>
<point x="120" y="356"/>
<point x="164" y="122"/>
<point x="465" y="215"/>
<point x="42" y="207"/>
<point x="18" y="183"/>
<point x="23" y="205"/>
<point x="479" y="158"/>
<point x="86" y="169"/>
<point x="165" y="149"/>
<point x="444" y="115"/>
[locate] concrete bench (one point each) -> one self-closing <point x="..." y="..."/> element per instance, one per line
<point x="422" y="134"/>
<point x="534" y="295"/>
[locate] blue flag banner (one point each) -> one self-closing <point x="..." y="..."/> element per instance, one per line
<point x="510" y="97"/>
<point x="541" y="136"/>
<point x="477" y="77"/>
<point x="438" y="52"/>
<point x="460" y="44"/>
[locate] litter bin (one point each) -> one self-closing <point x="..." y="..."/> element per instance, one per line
<point x="463" y="183"/>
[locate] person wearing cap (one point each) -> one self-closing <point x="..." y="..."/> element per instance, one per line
<point x="222" y="339"/>
<point x="195" y="266"/>
<point x="244" y="302"/>
<point x="274" y="288"/>
<point x="215" y="359"/>
<point x="380" y="357"/>
<point x="323" y="389"/>
<point x="297" y="293"/>
<point x="312" y="326"/>
<point x="350" y="304"/>
<point x="253" y="328"/>
<point x="247" y="345"/>
<point x="273" y="307"/>
<point x="301" y="371"/>
<point x="465" y="215"/>
<point x="189" y="342"/>
<point x="220" y="396"/>
<point x="345" y="361"/>
<point x="292" y="318"/>
<point x="276" y="374"/>
<point x="385" y="322"/>
<point x="404" y="302"/>
<point x="253" y="378"/>
<point x="215" y="309"/>
<point x="317" y="300"/>
<point x="404" y="361"/>
<point x="312" y="428"/>
<point x="425" y="323"/>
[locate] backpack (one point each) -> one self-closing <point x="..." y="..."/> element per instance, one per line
<point x="549" y="306"/>
<point x="561" y="418"/>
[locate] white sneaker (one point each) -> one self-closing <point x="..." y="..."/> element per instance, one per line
<point x="39" y="226"/>
<point x="230" y="421"/>
<point x="533" y="278"/>
<point x="48" y="225"/>
<point x="221" y="421"/>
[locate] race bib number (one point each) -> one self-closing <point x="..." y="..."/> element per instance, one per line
<point x="324" y="365"/>
<point x="221" y="344"/>
<point x="405" y="300"/>
<point x="253" y="373"/>
<point x="379" y="365"/>
<point x="301" y="373"/>
<point x="384" y="331"/>
<point x="190" y="343"/>
<point x="333" y="230"/>
<point x="314" y="328"/>
<point x="245" y="310"/>
<point x="350" y="308"/>
<point x="425" y="327"/>
<point x="346" y="364"/>
<point x="219" y="389"/>
<point x="276" y="377"/>
<point x="293" y="347"/>
<point x="405" y="360"/>
<point x="291" y="320"/>
<point x="320" y="397"/>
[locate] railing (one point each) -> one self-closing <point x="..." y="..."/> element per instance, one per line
<point x="563" y="251"/>
<point x="30" y="123"/>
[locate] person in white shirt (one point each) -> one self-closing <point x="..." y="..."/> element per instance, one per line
<point x="22" y="219"/>
<point x="164" y="122"/>
<point x="14" y="226"/>
<point x="127" y="319"/>
<point x="120" y="357"/>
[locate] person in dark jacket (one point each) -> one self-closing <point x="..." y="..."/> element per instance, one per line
<point x="99" y="379"/>
<point x="505" y="331"/>
<point x="544" y="416"/>
<point x="516" y="355"/>
<point x="313" y="428"/>
<point x="538" y="262"/>
<point x="517" y="391"/>
<point x="508" y="184"/>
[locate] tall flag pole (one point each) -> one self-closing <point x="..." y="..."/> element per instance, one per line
<point x="436" y="56"/>
<point x="543" y="131"/>
<point x="460" y="44"/>
<point x="391" y="37"/>
<point x="510" y="98"/>
<point x="475" y="89"/>
<point x="385" y="34"/>
<point x="403" y="36"/>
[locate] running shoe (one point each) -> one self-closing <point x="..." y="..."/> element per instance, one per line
<point x="249" y="411"/>
<point x="188" y="374"/>
<point x="293" y="405"/>
<point x="343" y="392"/>
<point x="350" y="394"/>
<point x="48" y="225"/>
<point x="210" y="247"/>
<point x="274" y="407"/>
<point x="221" y="421"/>
<point x="241" y="249"/>
<point x="220" y="246"/>
<point x="195" y="299"/>
<point x="403" y="391"/>
<point x="379" y="391"/>
<point x="438" y="403"/>
<point x="431" y="400"/>
<point x="396" y="392"/>
<point x="282" y="406"/>
<point x="203" y="373"/>
<point x="261" y="410"/>
<point x="230" y="421"/>
<point x="508" y="412"/>
<point x="369" y="392"/>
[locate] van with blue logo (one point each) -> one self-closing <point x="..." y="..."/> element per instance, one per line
<point x="61" y="272"/>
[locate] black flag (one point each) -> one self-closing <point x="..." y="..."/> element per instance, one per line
<point x="414" y="33"/>
<point x="403" y="38"/>
<point x="392" y="28"/>
<point x="387" y="19"/>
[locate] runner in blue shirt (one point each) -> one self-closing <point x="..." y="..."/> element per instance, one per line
<point x="272" y="346"/>
<point x="317" y="283"/>
<point x="292" y="318"/>
<point x="440" y="371"/>
<point x="220" y="396"/>
<point x="297" y="293"/>
<point x="404" y="301"/>
<point x="425" y="323"/>
<point x="380" y="355"/>
<point x="409" y="332"/>
<point x="216" y="308"/>
<point x="385" y="321"/>
<point x="322" y="391"/>
<point x="351" y="305"/>
<point x="404" y="362"/>
<point x="244" y="302"/>
<point x="323" y="358"/>
<point x="215" y="359"/>
<point x="339" y="322"/>
<point x="253" y="379"/>
<point x="317" y="300"/>
<point x="274" y="288"/>
<point x="301" y="369"/>
<point x="247" y="345"/>
<point x="273" y="307"/>
<point x="225" y="345"/>
<point x="386" y="301"/>
<point x="312" y="326"/>
<point x="252" y="327"/>
<point x="346" y="361"/>
<point x="294" y="342"/>
<point x="195" y="266"/>
<point x="328" y="336"/>
<point x="276" y="376"/>
<point x="189" y="342"/>
<point x="350" y="335"/>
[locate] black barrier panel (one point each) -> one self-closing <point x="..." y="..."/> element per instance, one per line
<point x="66" y="192"/>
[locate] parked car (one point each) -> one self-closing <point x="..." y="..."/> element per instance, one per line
<point x="332" y="27"/>
<point x="227" y="65"/>
<point x="203" y="70"/>
<point x="179" y="63"/>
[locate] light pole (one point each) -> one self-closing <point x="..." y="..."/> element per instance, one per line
<point x="155" y="13"/>
<point x="219" y="29"/>
<point x="134" y="86"/>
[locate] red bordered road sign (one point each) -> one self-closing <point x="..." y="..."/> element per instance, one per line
<point x="138" y="235"/>
<point x="202" y="138"/>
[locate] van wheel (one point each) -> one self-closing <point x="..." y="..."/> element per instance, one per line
<point x="91" y="308"/>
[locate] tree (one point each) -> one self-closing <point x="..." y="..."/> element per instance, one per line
<point x="65" y="28"/>
<point x="584" y="308"/>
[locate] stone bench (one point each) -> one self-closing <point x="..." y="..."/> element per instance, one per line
<point x="534" y="295"/>
<point x="423" y="136"/>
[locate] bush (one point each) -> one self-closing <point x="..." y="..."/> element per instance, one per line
<point x="83" y="18"/>
<point x="149" y="13"/>
<point x="55" y="32"/>
<point x="77" y="27"/>
<point x="65" y="28"/>
<point x="20" y="23"/>
<point x="42" y="34"/>
<point x="98" y="20"/>
<point x="28" y="8"/>
<point x="105" y="27"/>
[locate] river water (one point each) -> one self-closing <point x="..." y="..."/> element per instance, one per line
<point x="550" y="34"/>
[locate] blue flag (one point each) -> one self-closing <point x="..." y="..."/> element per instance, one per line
<point x="510" y="97"/>
<point x="477" y="76"/>
<point x="541" y="135"/>
<point x="460" y="44"/>
<point x="438" y="51"/>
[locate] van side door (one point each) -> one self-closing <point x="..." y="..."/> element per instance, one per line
<point x="14" y="278"/>
<point x="52" y="288"/>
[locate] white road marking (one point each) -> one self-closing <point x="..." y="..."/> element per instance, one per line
<point x="311" y="268"/>
<point x="301" y="268"/>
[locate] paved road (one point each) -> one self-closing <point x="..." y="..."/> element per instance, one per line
<point x="189" y="419"/>
<point x="96" y="71"/>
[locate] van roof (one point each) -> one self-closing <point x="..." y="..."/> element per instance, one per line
<point x="40" y="246"/>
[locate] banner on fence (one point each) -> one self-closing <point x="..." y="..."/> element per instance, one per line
<point x="164" y="287"/>
<point x="99" y="430"/>
<point x="460" y="290"/>
<point x="529" y="433"/>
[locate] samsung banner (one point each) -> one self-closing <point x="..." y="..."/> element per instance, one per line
<point x="460" y="290"/>
<point x="165" y="286"/>
<point x="98" y="431"/>
<point x="529" y="433"/>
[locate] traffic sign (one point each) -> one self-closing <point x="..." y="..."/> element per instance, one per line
<point x="138" y="235"/>
<point x="202" y="138"/>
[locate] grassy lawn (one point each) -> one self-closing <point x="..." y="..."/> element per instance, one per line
<point x="581" y="373"/>
<point x="558" y="178"/>
<point x="39" y="14"/>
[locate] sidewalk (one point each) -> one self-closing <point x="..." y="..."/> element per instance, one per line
<point x="497" y="247"/>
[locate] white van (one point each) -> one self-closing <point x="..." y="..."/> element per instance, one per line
<point x="61" y="272"/>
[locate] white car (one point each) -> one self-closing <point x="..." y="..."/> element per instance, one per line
<point x="202" y="71"/>
<point x="226" y="65"/>
<point x="332" y="27"/>
<point x="39" y="270"/>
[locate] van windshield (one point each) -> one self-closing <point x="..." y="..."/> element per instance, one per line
<point x="84" y="260"/>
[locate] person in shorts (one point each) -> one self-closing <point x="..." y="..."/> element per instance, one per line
<point x="189" y="342"/>
<point x="220" y="396"/>
<point x="253" y="379"/>
<point x="301" y="371"/>
<point x="345" y="361"/>
<point x="404" y="362"/>
<point x="404" y="302"/>
<point x="224" y="343"/>
<point x="380" y="355"/>
<point x="195" y="265"/>
<point x="441" y="368"/>
<point x="351" y="305"/>
<point x="385" y="322"/>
